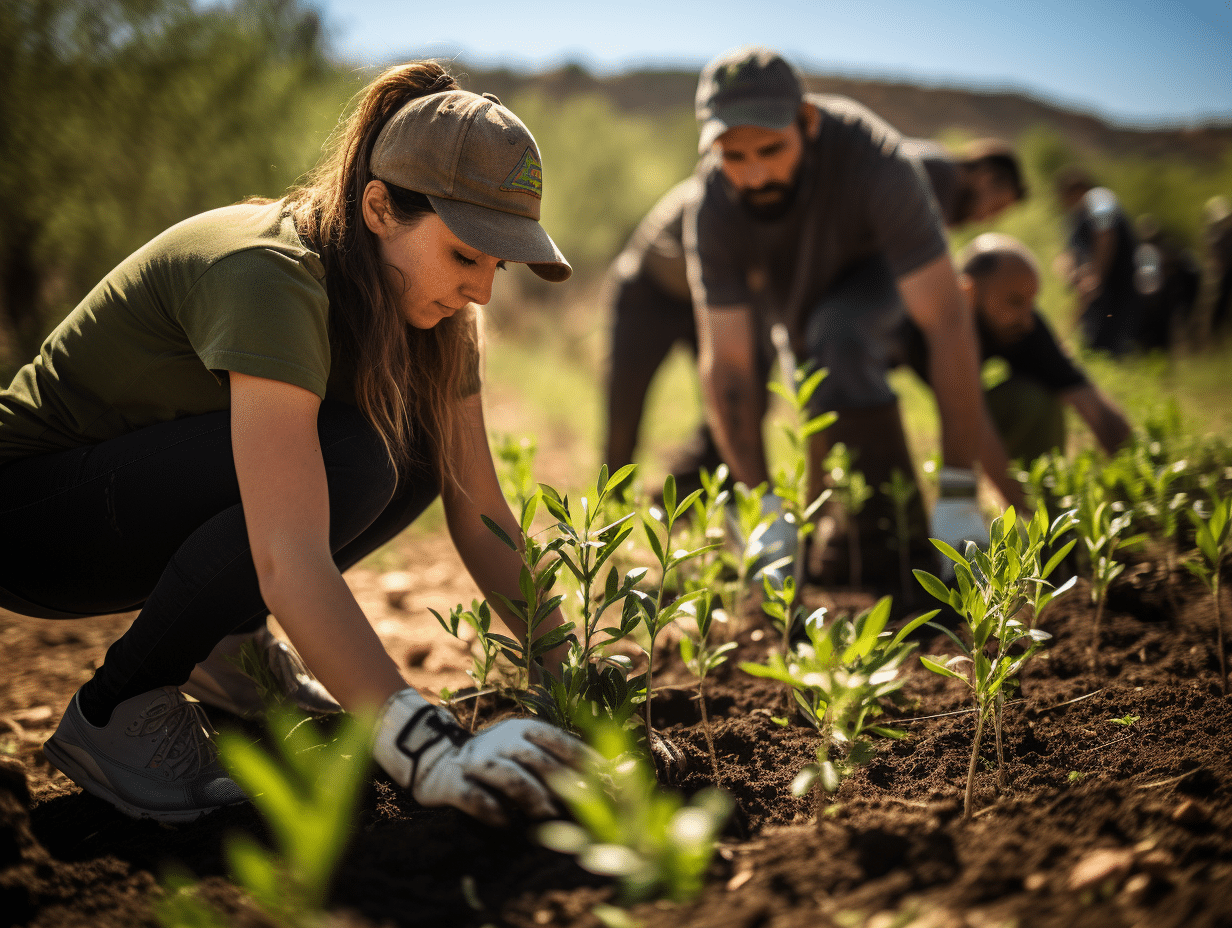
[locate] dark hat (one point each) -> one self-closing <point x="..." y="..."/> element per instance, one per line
<point x="748" y="86"/>
<point x="479" y="166"/>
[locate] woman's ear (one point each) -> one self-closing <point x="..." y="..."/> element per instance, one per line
<point x="377" y="210"/>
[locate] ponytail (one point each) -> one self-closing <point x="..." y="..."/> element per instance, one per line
<point x="404" y="378"/>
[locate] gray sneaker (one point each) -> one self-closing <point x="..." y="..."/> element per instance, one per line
<point x="219" y="680"/>
<point x="155" y="758"/>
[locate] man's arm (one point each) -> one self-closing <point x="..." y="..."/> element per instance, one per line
<point x="734" y="396"/>
<point x="1101" y="415"/>
<point x="936" y="305"/>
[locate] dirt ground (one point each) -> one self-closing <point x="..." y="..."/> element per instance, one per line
<point x="1103" y="825"/>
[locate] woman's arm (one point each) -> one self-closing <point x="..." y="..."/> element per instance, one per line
<point x="491" y="564"/>
<point x="286" y="508"/>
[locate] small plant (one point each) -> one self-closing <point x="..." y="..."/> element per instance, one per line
<point x="656" y="613"/>
<point x="1214" y="537"/>
<point x="517" y="458"/>
<point x="629" y="828"/>
<point x="701" y="658"/>
<point x="1126" y="720"/>
<point x="539" y="569"/>
<point x="791" y="481"/>
<point x="839" y="677"/>
<point x="309" y="795"/>
<point x="853" y="492"/>
<point x="996" y="588"/>
<point x="1101" y="534"/>
<point x="479" y="618"/>
<point x="747" y="523"/>
<point x="900" y="488"/>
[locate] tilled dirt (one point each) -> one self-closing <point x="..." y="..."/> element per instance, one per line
<point x="1101" y="824"/>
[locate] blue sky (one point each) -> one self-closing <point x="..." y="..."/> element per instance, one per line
<point x="1130" y="61"/>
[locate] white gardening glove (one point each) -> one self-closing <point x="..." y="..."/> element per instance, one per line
<point x="776" y="541"/>
<point x="956" y="517"/>
<point x="488" y="775"/>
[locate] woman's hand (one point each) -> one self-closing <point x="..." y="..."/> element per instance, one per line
<point x="286" y="508"/>
<point x="499" y="771"/>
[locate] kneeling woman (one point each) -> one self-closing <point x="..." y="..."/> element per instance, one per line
<point x="247" y="406"/>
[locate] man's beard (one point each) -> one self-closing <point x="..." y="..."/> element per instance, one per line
<point x="770" y="201"/>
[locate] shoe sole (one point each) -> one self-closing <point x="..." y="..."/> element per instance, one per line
<point x="83" y="778"/>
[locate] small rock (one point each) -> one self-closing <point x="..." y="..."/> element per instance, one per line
<point x="1157" y="861"/>
<point x="1136" y="888"/>
<point x="1101" y="866"/>
<point x="1034" y="882"/>
<point x="396" y="585"/>
<point x="33" y="715"/>
<point x="739" y="879"/>
<point x="1190" y="813"/>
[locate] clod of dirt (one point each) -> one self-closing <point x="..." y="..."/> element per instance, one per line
<point x="1100" y="867"/>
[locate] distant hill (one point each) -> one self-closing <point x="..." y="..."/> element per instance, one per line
<point x="914" y="110"/>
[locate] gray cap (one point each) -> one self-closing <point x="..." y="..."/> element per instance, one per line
<point x="479" y="166"/>
<point x="748" y="86"/>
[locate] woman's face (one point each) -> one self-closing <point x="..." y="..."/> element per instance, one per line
<point x="434" y="271"/>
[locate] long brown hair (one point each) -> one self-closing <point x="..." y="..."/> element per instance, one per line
<point x="404" y="378"/>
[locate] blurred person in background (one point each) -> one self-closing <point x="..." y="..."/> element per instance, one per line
<point x="1000" y="280"/>
<point x="1098" y="263"/>
<point x="651" y="305"/>
<point x="1218" y="229"/>
<point x="1168" y="280"/>
<point x="811" y="214"/>
<point x="248" y="405"/>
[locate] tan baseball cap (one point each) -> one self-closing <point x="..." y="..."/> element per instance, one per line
<point x="479" y="166"/>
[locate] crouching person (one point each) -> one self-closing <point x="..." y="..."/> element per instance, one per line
<point x="247" y="406"/>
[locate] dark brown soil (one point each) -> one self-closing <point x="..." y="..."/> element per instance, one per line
<point x="1102" y="825"/>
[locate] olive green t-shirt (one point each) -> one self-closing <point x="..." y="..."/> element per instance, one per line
<point x="234" y="289"/>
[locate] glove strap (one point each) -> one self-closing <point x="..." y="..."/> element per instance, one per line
<point x="411" y="734"/>
<point x="956" y="483"/>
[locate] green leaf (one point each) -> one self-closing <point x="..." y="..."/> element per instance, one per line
<point x="500" y="533"/>
<point x="939" y="669"/>
<point x="933" y="585"/>
<point x="912" y="626"/>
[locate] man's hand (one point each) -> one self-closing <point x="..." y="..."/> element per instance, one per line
<point x="956" y="517"/>
<point x="489" y="775"/>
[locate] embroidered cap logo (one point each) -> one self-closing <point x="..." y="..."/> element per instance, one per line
<point x="527" y="176"/>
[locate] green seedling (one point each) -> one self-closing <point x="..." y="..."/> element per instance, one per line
<point x="1214" y="537"/>
<point x="540" y="567"/>
<point x="853" y="492"/>
<point x="900" y="488"/>
<point x="1103" y="535"/>
<point x="1075" y="776"/>
<point x="1126" y="720"/>
<point x="479" y="618"/>
<point x="839" y="677"/>
<point x="516" y="458"/>
<point x="308" y="794"/>
<point x="701" y="658"/>
<point x="746" y="522"/>
<point x="587" y="544"/>
<point x="656" y="613"/>
<point x="996" y="589"/>
<point x="791" y="480"/>
<point x="712" y="569"/>
<point x="629" y="828"/>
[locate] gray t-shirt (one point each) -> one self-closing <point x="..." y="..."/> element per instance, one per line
<point x="942" y="170"/>
<point x="656" y="247"/>
<point x="860" y="195"/>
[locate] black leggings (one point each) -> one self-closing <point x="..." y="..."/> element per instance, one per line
<point x="153" y="520"/>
